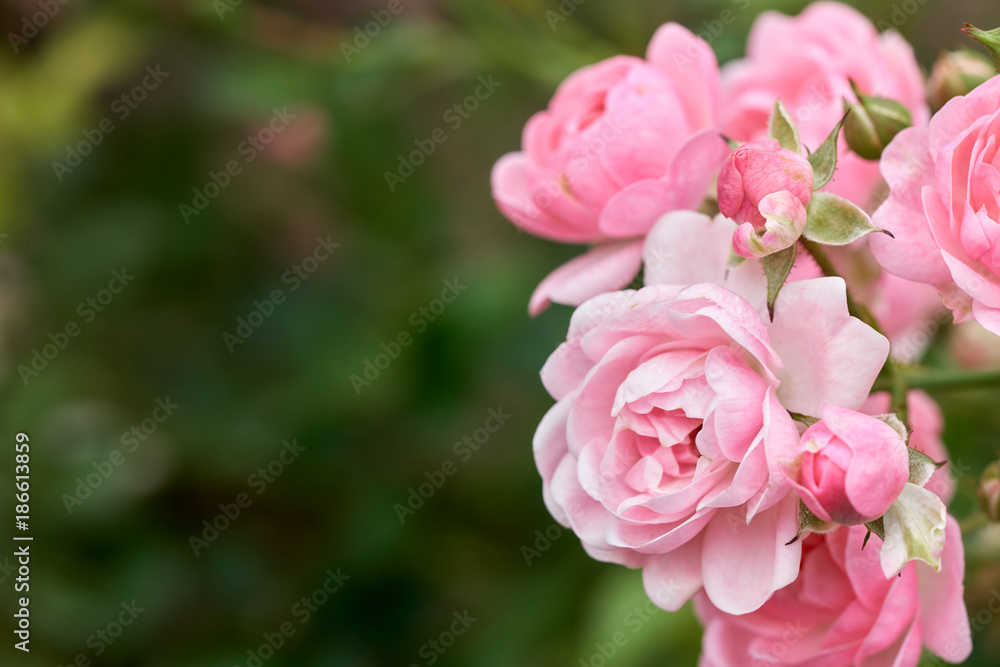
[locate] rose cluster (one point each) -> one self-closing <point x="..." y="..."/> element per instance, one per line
<point x="721" y="427"/>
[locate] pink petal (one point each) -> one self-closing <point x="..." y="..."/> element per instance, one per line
<point x="634" y="210"/>
<point x="880" y="467"/>
<point x="685" y="247"/>
<point x="692" y="65"/>
<point x="673" y="578"/>
<point x="606" y="268"/>
<point x="828" y="356"/>
<point x="738" y="416"/>
<point x="943" y="616"/>
<point x="744" y="564"/>
<point x="513" y="196"/>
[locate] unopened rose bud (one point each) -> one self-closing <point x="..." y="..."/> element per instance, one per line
<point x="988" y="38"/>
<point x="852" y="467"/>
<point x="765" y="189"/>
<point x="872" y="123"/>
<point x="956" y="73"/>
<point x="989" y="491"/>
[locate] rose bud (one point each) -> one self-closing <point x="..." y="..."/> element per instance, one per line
<point x="989" y="491"/>
<point x="765" y="189"/>
<point x="956" y="73"/>
<point x="872" y="123"/>
<point x="852" y="467"/>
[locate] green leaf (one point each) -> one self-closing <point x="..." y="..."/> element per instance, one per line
<point x="893" y="421"/>
<point x="824" y="160"/>
<point x="988" y="38"/>
<point x="782" y="128"/>
<point x="777" y="266"/>
<point x="833" y="220"/>
<point x="810" y="523"/>
<point x="803" y="419"/>
<point x="877" y="526"/>
<point x="921" y="467"/>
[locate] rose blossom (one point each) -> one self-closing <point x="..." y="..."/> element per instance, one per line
<point x="807" y="62"/>
<point x="842" y="610"/>
<point x="765" y="188"/>
<point x="944" y="206"/>
<point x="852" y="467"/>
<point x="621" y="143"/>
<point x="672" y="415"/>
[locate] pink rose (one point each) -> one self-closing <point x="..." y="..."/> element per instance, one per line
<point x="842" y="610"/>
<point x="622" y="142"/>
<point x="944" y="206"/>
<point x="852" y="467"/>
<point x="806" y="62"/>
<point x="672" y="416"/>
<point x="765" y="188"/>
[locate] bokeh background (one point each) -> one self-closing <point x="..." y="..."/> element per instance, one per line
<point x="482" y="544"/>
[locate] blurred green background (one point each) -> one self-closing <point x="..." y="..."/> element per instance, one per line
<point x="116" y="517"/>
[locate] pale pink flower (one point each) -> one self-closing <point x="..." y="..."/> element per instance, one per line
<point x="944" y="206"/>
<point x="807" y="62"/>
<point x="663" y="450"/>
<point x="621" y="143"/>
<point x="842" y="610"/>
<point x="851" y="468"/>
